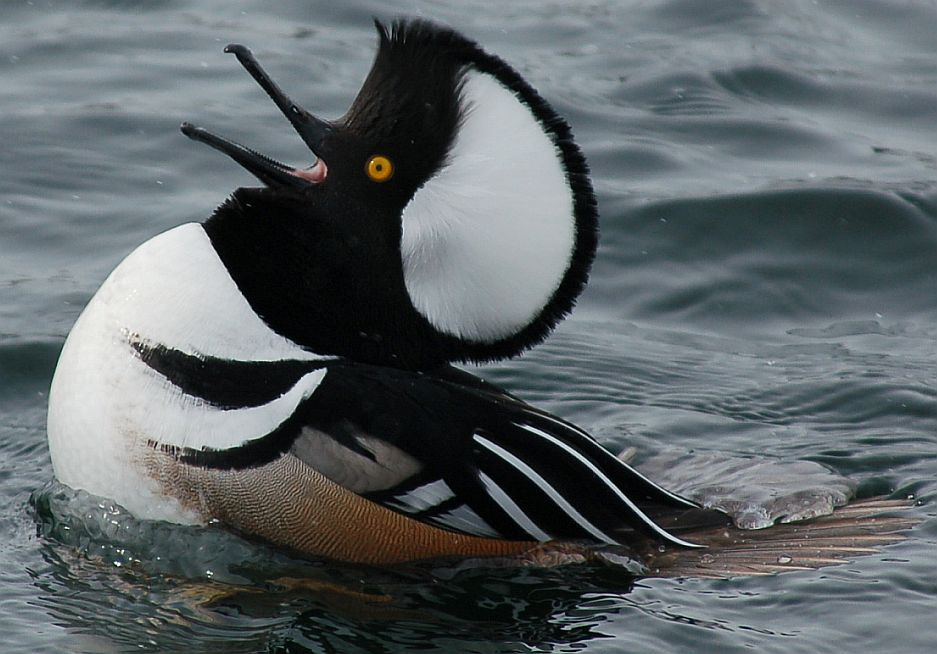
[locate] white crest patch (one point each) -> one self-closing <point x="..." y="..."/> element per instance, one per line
<point x="487" y="240"/>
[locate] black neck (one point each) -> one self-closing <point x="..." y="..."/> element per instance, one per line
<point x="330" y="282"/>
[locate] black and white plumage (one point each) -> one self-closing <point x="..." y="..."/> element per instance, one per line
<point x="299" y="343"/>
<point x="443" y="447"/>
<point x="285" y="367"/>
<point x="474" y="249"/>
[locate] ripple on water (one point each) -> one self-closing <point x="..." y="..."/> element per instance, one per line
<point x="770" y="258"/>
<point x="765" y="288"/>
<point x="155" y="585"/>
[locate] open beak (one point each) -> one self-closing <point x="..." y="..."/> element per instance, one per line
<point x="271" y="172"/>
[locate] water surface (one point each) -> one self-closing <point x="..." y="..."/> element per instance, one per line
<point x="766" y="287"/>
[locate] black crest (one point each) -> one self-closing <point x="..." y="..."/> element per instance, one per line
<point x="321" y="263"/>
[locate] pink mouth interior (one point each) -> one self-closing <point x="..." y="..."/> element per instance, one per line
<point x="314" y="174"/>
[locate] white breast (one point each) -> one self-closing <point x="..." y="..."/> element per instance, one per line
<point x="106" y="404"/>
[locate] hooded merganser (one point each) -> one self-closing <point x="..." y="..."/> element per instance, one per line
<point x="284" y="368"/>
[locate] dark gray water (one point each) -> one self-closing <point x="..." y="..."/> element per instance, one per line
<point x="766" y="286"/>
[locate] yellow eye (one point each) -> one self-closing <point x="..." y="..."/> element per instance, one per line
<point x="379" y="168"/>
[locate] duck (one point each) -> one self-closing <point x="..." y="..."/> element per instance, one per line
<point x="287" y="368"/>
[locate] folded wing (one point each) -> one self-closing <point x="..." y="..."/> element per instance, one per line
<point x="443" y="448"/>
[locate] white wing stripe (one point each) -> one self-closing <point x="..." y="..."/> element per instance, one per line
<point x="465" y="519"/>
<point x="542" y="483"/>
<point x="608" y="482"/>
<point x="664" y="491"/>
<point x="517" y="515"/>
<point x="425" y="497"/>
<point x="565" y="425"/>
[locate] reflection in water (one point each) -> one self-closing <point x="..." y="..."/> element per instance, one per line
<point x="115" y="581"/>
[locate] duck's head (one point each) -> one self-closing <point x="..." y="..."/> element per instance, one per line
<point x="448" y="215"/>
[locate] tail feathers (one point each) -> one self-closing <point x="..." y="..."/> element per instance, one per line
<point x="684" y="522"/>
<point x="858" y="529"/>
